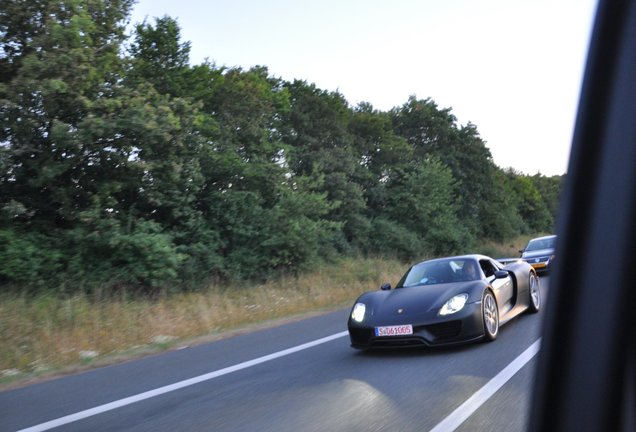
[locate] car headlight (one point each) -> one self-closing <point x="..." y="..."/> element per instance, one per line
<point x="357" y="314"/>
<point x="455" y="304"/>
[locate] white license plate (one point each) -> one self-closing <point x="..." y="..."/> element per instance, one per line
<point x="399" y="330"/>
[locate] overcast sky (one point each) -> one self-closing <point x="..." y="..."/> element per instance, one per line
<point x="512" y="68"/>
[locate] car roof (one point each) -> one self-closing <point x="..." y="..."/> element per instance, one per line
<point x="458" y="257"/>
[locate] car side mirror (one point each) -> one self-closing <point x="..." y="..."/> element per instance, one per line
<point x="501" y="274"/>
<point x="521" y="251"/>
<point x="385" y="286"/>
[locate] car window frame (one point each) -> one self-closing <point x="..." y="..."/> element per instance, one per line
<point x="586" y="371"/>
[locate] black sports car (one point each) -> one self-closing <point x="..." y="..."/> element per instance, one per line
<point x="445" y="301"/>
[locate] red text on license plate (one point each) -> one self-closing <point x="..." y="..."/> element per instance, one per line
<point x="406" y="329"/>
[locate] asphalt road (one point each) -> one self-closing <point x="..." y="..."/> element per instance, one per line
<point x="326" y="387"/>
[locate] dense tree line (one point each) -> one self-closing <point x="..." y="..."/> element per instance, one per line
<point x="122" y="163"/>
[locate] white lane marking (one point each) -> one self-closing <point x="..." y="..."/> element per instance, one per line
<point x="465" y="410"/>
<point x="176" y="386"/>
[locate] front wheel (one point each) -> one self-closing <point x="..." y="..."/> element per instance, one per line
<point x="535" y="293"/>
<point x="490" y="313"/>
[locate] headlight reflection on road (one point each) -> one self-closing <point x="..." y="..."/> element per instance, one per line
<point x="342" y="405"/>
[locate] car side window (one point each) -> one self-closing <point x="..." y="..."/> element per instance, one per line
<point x="487" y="268"/>
<point x="496" y="265"/>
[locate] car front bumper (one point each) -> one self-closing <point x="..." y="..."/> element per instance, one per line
<point x="464" y="326"/>
<point x="540" y="264"/>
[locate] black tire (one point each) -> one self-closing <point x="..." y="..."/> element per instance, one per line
<point x="534" y="288"/>
<point x="490" y="315"/>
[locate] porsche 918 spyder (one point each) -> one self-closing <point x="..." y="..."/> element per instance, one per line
<point x="443" y="302"/>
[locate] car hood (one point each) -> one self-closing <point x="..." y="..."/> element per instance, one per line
<point x="537" y="253"/>
<point x="418" y="300"/>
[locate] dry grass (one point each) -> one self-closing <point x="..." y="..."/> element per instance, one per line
<point x="43" y="334"/>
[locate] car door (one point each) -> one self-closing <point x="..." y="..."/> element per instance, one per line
<point x="502" y="287"/>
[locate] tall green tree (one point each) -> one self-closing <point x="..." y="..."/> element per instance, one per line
<point x="160" y="57"/>
<point x="74" y="136"/>
<point x="549" y="189"/>
<point x="135" y="167"/>
<point x="500" y="219"/>
<point x="267" y="218"/>
<point x="63" y="59"/>
<point x="317" y="131"/>
<point x="432" y="131"/>
<point x="378" y="149"/>
<point x="174" y="149"/>
<point x="423" y="199"/>
<point x="530" y="205"/>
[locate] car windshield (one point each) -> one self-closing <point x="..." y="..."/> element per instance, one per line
<point x="440" y="271"/>
<point x="539" y="244"/>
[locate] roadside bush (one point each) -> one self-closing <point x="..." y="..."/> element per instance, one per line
<point x="389" y="238"/>
<point x="107" y="254"/>
<point x="28" y="258"/>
